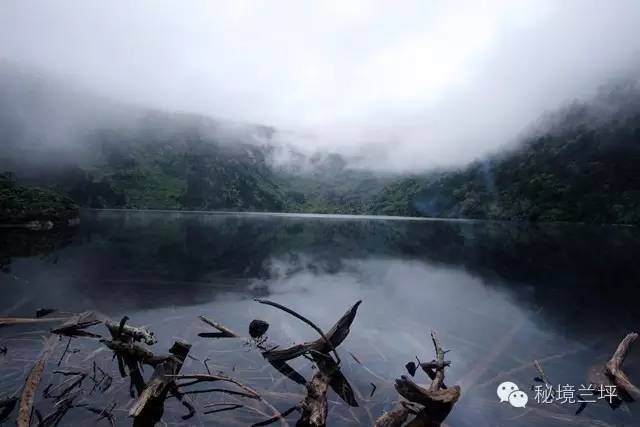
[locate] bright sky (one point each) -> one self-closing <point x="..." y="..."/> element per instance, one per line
<point x="420" y="83"/>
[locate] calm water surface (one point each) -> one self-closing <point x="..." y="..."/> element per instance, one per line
<point x="499" y="295"/>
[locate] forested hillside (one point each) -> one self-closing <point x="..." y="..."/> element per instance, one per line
<point x="580" y="163"/>
<point x="583" y="164"/>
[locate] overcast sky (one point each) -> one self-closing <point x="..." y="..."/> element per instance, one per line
<point x="410" y="84"/>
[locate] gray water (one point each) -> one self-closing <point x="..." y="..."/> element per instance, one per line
<point x="499" y="296"/>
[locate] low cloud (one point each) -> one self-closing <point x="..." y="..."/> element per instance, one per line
<point x="400" y="86"/>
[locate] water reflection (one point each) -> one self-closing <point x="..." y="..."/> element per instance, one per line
<point x="499" y="294"/>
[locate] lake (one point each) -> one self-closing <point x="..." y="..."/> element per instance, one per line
<point x="499" y="295"/>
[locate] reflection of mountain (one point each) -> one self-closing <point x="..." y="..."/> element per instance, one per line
<point x="574" y="273"/>
<point x="19" y="243"/>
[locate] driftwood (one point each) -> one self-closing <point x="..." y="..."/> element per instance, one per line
<point x="437" y="400"/>
<point x="133" y="350"/>
<point x="394" y="418"/>
<point x="10" y="321"/>
<point x="124" y="332"/>
<point x="325" y="339"/>
<point x="223" y="331"/>
<point x="75" y="325"/>
<point x="328" y="342"/>
<point x="31" y="385"/>
<point x="75" y="381"/>
<point x="614" y="368"/>
<point x="314" y="406"/>
<point x="149" y="407"/>
<point x="198" y="378"/>
<point x="131" y="355"/>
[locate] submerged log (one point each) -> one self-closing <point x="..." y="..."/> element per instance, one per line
<point x="394" y="418"/>
<point x="31" y="385"/>
<point x="314" y="406"/>
<point x="223" y="331"/>
<point x="75" y="325"/>
<point x="149" y="406"/>
<point x="123" y="332"/>
<point x="10" y="321"/>
<point x="614" y="368"/>
<point x="437" y="400"/>
<point x="334" y="338"/>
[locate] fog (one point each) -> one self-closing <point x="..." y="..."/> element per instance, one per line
<point x="403" y="86"/>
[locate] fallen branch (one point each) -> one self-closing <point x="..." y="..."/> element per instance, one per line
<point x="305" y="320"/>
<point x="148" y="409"/>
<point x="437" y="400"/>
<point x="75" y="326"/>
<point x="10" y="321"/>
<point x="328" y="342"/>
<point x="198" y="378"/>
<point x="124" y="332"/>
<point x="222" y="407"/>
<point x="394" y="418"/>
<point x="614" y="368"/>
<point x="31" y="385"/>
<point x="314" y="406"/>
<point x="224" y="332"/>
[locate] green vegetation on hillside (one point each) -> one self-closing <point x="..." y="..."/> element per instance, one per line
<point x="19" y="204"/>
<point x="582" y="165"/>
<point x="582" y="174"/>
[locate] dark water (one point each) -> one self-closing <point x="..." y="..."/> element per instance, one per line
<point x="499" y="295"/>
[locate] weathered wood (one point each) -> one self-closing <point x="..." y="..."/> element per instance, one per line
<point x="337" y="381"/>
<point x="75" y="325"/>
<point x="198" y="378"/>
<point x="142" y="333"/>
<point x="314" y="406"/>
<point x="335" y="337"/>
<point x="149" y="406"/>
<point x="305" y="320"/>
<point x="437" y="400"/>
<point x="31" y="385"/>
<point x="426" y="397"/>
<point x="9" y="321"/>
<point x="439" y="365"/>
<point x="394" y="418"/>
<point x="224" y="331"/>
<point x="614" y="368"/>
<point x="132" y="349"/>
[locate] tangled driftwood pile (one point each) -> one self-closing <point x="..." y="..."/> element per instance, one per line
<point x="131" y="346"/>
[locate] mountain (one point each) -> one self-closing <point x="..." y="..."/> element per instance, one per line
<point x="105" y="154"/>
<point x="579" y="163"/>
<point x="27" y="207"/>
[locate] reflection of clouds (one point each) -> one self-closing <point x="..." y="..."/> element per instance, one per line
<point x="402" y="301"/>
